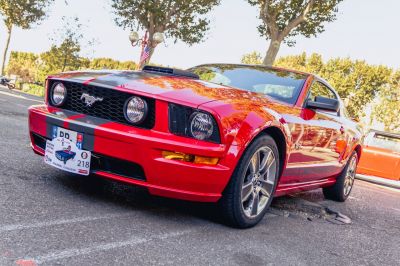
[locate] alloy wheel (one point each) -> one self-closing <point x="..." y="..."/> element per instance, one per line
<point x="350" y="176"/>
<point x="258" y="182"/>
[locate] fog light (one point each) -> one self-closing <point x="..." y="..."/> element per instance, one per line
<point x="178" y="156"/>
<point x="205" y="160"/>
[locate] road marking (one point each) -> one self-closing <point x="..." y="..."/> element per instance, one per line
<point x="73" y="252"/>
<point x="13" y="227"/>
<point x="396" y="209"/>
<point x="370" y="186"/>
<point x="19" y="96"/>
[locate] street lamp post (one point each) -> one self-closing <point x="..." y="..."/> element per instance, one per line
<point x="147" y="45"/>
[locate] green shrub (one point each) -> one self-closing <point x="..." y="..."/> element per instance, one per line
<point x="34" y="89"/>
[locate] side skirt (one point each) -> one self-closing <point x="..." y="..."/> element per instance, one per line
<point x="299" y="187"/>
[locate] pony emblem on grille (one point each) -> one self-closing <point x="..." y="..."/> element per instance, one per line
<point x="90" y="100"/>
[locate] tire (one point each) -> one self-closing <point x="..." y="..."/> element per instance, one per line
<point x="340" y="191"/>
<point x="250" y="182"/>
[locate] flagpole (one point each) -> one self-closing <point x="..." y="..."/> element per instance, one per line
<point x="144" y="43"/>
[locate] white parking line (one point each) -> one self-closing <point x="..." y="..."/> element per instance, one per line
<point x="19" y="96"/>
<point x="396" y="209"/>
<point x="13" y="227"/>
<point x="73" y="252"/>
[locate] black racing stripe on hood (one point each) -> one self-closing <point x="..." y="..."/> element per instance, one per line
<point x="117" y="79"/>
<point x="109" y="80"/>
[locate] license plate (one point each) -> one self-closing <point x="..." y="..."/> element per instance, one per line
<point x="65" y="153"/>
<point x="59" y="132"/>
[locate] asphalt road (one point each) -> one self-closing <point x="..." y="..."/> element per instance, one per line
<point x="50" y="217"/>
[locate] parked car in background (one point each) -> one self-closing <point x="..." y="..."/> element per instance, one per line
<point x="381" y="155"/>
<point x="233" y="134"/>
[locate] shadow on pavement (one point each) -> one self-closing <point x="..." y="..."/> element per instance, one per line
<point x="306" y="205"/>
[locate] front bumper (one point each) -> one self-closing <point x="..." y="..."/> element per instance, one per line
<point x="133" y="155"/>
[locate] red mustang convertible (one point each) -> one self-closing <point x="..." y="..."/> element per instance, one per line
<point x="233" y="134"/>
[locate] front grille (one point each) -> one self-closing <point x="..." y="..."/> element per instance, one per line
<point x="111" y="108"/>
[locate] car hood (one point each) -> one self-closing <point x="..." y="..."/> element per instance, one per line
<point x="176" y="89"/>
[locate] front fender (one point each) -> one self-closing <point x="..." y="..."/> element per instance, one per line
<point x="240" y="126"/>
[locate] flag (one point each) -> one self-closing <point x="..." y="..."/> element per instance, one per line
<point x="145" y="53"/>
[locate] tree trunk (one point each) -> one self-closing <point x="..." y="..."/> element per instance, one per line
<point x="9" y="29"/>
<point x="64" y="63"/>
<point x="272" y="52"/>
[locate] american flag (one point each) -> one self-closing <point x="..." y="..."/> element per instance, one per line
<point x="145" y="53"/>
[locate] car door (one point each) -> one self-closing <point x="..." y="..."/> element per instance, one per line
<point x="324" y="143"/>
<point x="381" y="155"/>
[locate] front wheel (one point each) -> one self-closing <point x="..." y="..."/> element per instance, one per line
<point x="252" y="185"/>
<point x="340" y="191"/>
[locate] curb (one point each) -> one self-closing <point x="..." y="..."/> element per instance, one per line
<point x="379" y="181"/>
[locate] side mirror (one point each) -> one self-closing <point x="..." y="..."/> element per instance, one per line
<point x="323" y="103"/>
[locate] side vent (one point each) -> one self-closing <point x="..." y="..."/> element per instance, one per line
<point x="170" y="71"/>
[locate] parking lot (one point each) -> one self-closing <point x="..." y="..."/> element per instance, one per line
<point x="51" y="217"/>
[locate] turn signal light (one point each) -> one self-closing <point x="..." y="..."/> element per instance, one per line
<point x="189" y="158"/>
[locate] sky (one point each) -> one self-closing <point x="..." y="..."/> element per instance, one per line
<point x="364" y="29"/>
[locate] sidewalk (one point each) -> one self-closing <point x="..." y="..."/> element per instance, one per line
<point x="379" y="180"/>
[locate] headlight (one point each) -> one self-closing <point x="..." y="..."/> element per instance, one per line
<point x="201" y="125"/>
<point x="135" y="110"/>
<point x="193" y="123"/>
<point x="58" y="94"/>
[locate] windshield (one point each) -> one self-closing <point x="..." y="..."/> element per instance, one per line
<point x="385" y="142"/>
<point x="279" y="84"/>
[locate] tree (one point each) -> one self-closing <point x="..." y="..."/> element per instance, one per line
<point x="63" y="57"/>
<point x="177" y="19"/>
<point x="253" y="58"/>
<point x="109" y="63"/>
<point x="20" y="13"/>
<point x="388" y="110"/>
<point x="65" y="53"/>
<point x="282" y="20"/>
<point x="354" y="80"/>
<point x="24" y="65"/>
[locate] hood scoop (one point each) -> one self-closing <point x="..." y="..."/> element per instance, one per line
<point x="170" y="72"/>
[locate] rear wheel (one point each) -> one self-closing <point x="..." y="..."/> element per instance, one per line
<point x="252" y="185"/>
<point x="340" y="191"/>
